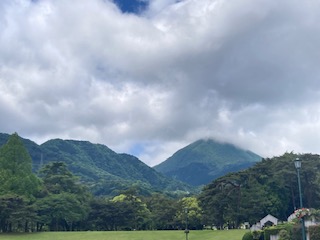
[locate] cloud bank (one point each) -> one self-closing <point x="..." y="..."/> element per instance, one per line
<point x="245" y="72"/>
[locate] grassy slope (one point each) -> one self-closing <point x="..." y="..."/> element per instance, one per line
<point x="137" y="235"/>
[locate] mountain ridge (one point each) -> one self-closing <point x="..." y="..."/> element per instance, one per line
<point x="205" y="160"/>
<point x="103" y="170"/>
<point x="107" y="172"/>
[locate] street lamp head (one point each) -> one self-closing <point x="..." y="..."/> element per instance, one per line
<point x="297" y="163"/>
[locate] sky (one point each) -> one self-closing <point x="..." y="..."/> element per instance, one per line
<point x="151" y="79"/>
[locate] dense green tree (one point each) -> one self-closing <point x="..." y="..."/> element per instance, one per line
<point x="189" y="212"/>
<point x="269" y="187"/>
<point x="163" y="211"/>
<point x="61" y="211"/>
<point x="65" y="202"/>
<point x="58" y="179"/>
<point x="221" y="201"/>
<point x="103" y="215"/>
<point x="18" y="188"/>
<point x="16" y="169"/>
<point x="310" y="180"/>
<point x="16" y="214"/>
<point x="106" y="214"/>
<point x="135" y="213"/>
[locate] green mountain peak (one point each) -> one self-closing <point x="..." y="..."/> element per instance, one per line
<point x="206" y="159"/>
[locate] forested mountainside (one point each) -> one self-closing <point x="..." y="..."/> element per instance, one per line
<point x="269" y="187"/>
<point x="205" y="160"/>
<point x="103" y="170"/>
<point x="56" y="200"/>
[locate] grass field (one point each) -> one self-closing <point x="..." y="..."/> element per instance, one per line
<point x="130" y="235"/>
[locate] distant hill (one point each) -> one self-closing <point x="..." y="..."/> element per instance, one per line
<point x="205" y="160"/>
<point x="103" y="170"/>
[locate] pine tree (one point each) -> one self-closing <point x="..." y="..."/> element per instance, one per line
<point x="65" y="202"/>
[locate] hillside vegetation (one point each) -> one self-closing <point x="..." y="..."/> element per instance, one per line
<point x="55" y="200"/>
<point x="205" y="160"/>
<point x="103" y="170"/>
<point x="269" y="187"/>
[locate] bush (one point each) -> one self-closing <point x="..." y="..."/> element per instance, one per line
<point x="247" y="236"/>
<point x="288" y="227"/>
<point x="284" y="235"/>
<point x="256" y="235"/>
<point x="314" y="232"/>
<point x="296" y="232"/>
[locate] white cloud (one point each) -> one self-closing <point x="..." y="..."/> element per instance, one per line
<point x="243" y="72"/>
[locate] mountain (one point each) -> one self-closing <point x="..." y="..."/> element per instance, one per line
<point x="205" y="160"/>
<point x="103" y="170"/>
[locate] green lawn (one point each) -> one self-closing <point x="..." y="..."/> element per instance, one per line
<point x="130" y="235"/>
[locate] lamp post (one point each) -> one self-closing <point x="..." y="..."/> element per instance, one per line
<point x="297" y="164"/>
<point x="186" y="231"/>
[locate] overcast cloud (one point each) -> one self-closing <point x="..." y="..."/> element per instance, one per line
<point x="241" y="71"/>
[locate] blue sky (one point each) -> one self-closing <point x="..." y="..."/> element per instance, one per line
<point x="151" y="81"/>
<point x="132" y="6"/>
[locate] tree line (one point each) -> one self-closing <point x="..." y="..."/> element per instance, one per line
<point x="56" y="200"/>
<point x="269" y="187"/>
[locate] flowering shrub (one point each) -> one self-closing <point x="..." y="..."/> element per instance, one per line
<point x="301" y="212"/>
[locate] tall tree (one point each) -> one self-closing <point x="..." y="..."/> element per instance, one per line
<point x="16" y="169"/>
<point x="137" y="215"/>
<point x="163" y="211"/>
<point x="18" y="186"/>
<point x="65" y="202"/>
<point x="189" y="212"/>
<point x="220" y="201"/>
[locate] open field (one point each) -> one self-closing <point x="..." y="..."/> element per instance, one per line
<point x="129" y="235"/>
